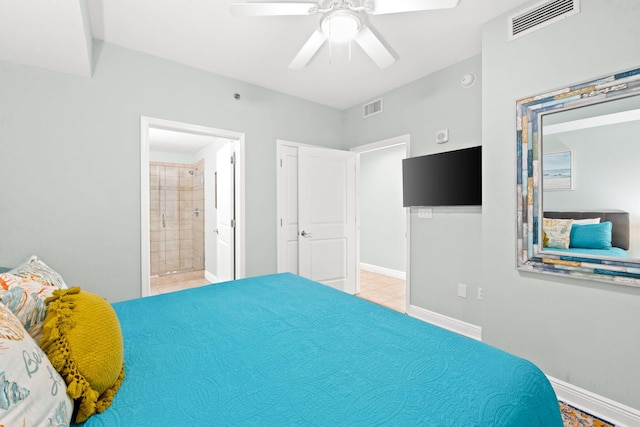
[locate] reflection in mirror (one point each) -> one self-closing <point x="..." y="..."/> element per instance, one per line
<point x="577" y="180"/>
<point x="589" y="163"/>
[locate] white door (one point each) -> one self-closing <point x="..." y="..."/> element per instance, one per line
<point x="327" y="217"/>
<point x="288" y="207"/>
<point x="225" y="220"/>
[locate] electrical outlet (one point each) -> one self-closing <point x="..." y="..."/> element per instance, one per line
<point x="462" y="290"/>
<point x="480" y="293"/>
<point x="425" y="213"/>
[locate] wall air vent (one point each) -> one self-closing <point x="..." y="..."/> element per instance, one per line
<point x="372" y="108"/>
<point x="540" y="15"/>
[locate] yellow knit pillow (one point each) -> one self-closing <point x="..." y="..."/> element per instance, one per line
<point x="83" y="340"/>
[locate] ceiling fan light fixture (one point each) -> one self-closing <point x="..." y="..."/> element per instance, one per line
<point x="340" y="26"/>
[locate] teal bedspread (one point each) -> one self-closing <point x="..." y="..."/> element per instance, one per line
<point x="281" y="350"/>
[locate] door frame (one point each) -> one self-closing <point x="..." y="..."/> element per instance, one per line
<point x="145" y="231"/>
<point x="379" y="145"/>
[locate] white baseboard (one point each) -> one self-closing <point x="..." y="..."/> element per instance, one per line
<point x="607" y="409"/>
<point x="617" y="413"/>
<point x="383" y="270"/>
<point x="449" y="323"/>
<point x="210" y="277"/>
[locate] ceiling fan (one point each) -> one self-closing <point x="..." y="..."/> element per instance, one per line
<point x="341" y="21"/>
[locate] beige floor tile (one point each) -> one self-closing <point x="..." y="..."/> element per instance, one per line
<point x="384" y="290"/>
<point x="177" y="282"/>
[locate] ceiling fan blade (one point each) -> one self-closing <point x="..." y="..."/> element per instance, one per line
<point x="372" y="45"/>
<point x="310" y="48"/>
<point x="380" y="7"/>
<point x="274" y="8"/>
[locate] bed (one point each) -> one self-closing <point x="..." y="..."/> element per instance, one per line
<point x="612" y="242"/>
<point x="282" y="350"/>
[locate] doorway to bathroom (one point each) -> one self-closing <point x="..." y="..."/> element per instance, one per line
<point x="176" y="212"/>
<point x="192" y="206"/>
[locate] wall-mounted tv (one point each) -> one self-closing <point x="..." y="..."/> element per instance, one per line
<point x="453" y="178"/>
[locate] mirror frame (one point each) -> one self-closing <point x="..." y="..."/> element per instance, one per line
<point x="529" y="113"/>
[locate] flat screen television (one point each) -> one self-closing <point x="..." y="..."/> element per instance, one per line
<point x="453" y="178"/>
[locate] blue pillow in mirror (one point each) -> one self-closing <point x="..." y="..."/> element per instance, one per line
<point x="4" y="269"/>
<point x="591" y="236"/>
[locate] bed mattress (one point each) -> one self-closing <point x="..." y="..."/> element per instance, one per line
<point x="282" y="350"/>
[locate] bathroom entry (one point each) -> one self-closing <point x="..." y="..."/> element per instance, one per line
<point x="192" y="224"/>
<point x="176" y="201"/>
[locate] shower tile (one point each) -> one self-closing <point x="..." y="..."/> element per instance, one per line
<point x="186" y="204"/>
<point x="154" y="246"/>
<point x="172" y="182"/>
<point x="185" y="254"/>
<point x="186" y="214"/>
<point x="155" y="225"/>
<point x="171" y="195"/>
<point x="172" y="235"/>
<point x="186" y="264"/>
<point x="172" y="265"/>
<point x="171" y="255"/>
<point x="171" y="206"/>
<point x="162" y="267"/>
<point x="172" y="224"/>
<point x="172" y="172"/>
<point x="186" y="244"/>
<point x="172" y="245"/>
<point x="198" y="252"/>
<point x="186" y="234"/>
<point x="186" y="224"/>
<point x="186" y="181"/>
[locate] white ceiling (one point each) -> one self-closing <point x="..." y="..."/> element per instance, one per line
<point x="56" y="34"/>
<point x="168" y="141"/>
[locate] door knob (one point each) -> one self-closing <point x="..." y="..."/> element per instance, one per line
<point x="305" y="234"/>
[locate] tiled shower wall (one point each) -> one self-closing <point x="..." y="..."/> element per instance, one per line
<point x="177" y="229"/>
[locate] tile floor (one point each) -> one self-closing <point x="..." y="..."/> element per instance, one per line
<point x="377" y="288"/>
<point x="384" y="290"/>
<point x="176" y="282"/>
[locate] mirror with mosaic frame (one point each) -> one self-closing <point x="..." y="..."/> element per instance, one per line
<point x="552" y="134"/>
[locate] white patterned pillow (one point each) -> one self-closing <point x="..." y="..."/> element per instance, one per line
<point x="26" y="299"/>
<point x="556" y="233"/>
<point x="32" y="393"/>
<point x="35" y="269"/>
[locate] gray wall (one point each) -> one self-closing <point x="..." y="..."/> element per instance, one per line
<point x="578" y="331"/>
<point x="70" y="148"/>
<point x="382" y="217"/>
<point x="70" y="181"/>
<point x="439" y="246"/>
<point x="581" y="332"/>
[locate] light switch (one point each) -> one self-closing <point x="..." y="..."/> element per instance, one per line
<point x="462" y="290"/>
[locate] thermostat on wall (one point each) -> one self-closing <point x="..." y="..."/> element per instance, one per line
<point x="442" y="136"/>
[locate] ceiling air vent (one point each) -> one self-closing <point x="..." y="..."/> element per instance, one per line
<point x="541" y="15"/>
<point x="372" y="108"/>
